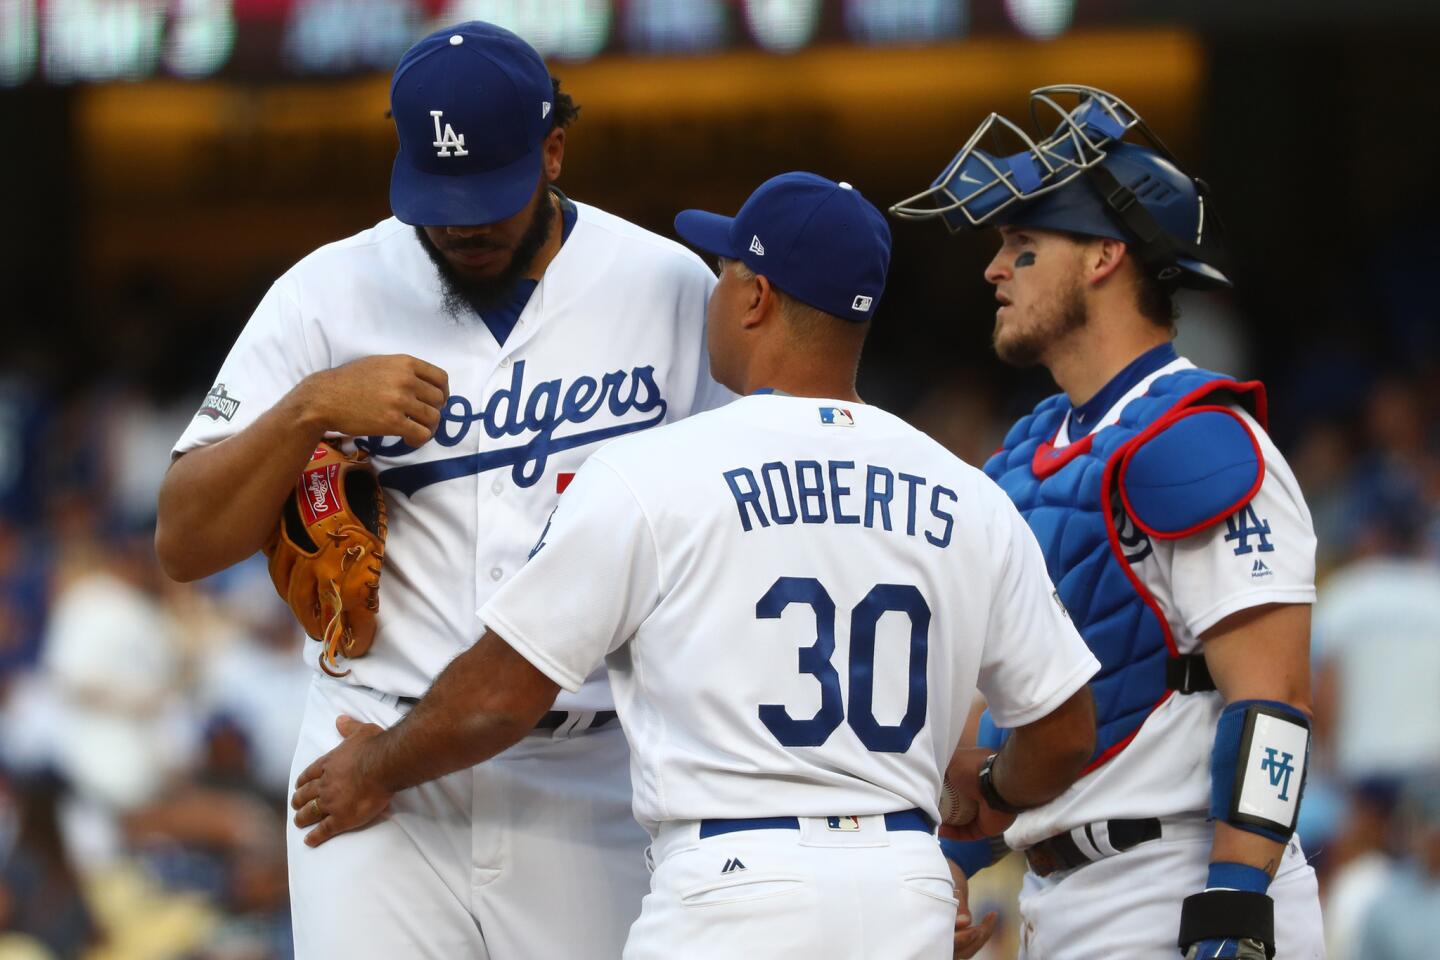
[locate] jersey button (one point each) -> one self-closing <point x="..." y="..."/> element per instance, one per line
<point x="496" y="487"/>
<point x="496" y="573"/>
<point x="504" y="361"/>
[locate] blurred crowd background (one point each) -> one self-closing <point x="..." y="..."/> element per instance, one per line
<point x="165" y="161"/>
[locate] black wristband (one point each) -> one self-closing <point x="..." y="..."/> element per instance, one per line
<point x="987" y="788"/>
<point x="1217" y="914"/>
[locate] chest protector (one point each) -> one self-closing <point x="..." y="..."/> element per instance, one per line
<point x="1179" y="460"/>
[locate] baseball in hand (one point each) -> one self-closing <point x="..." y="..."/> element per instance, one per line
<point x="956" y="809"/>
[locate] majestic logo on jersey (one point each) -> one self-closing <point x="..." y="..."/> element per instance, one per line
<point x="756" y="247"/>
<point x="512" y="412"/>
<point x="1279" y="770"/>
<point x="836" y="417"/>
<point x="1259" y="570"/>
<point x="732" y="865"/>
<point x="447" y="142"/>
<point x="862" y="303"/>
<point x="1244" y="525"/>
<point x="218" y="404"/>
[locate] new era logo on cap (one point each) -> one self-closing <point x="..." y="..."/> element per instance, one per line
<point x="825" y="245"/>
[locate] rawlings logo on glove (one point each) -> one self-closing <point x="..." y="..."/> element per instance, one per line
<point x="327" y="552"/>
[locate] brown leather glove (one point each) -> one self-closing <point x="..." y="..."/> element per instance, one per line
<point x="327" y="551"/>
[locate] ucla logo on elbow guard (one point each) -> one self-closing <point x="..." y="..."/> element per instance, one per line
<point x="1279" y="770"/>
<point x="539" y="420"/>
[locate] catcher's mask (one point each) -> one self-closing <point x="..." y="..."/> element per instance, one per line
<point x="1083" y="178"/>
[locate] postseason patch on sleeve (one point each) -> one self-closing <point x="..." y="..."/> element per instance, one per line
<point x="218" y="404"/>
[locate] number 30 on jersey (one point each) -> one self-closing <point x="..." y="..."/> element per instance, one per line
<point x="815" y="660"/>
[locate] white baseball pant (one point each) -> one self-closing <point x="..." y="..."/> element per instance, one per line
<point x="1128" y="906"/>
<point x="533" y="854"/>
<point x="841" y="888"/>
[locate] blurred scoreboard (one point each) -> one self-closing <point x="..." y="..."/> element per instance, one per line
<point x="69" y="41"/>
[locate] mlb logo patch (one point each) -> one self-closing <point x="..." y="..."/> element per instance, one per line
<point x="843" y="824"/>
<point x="836" y="417"/>
<point x="862" y="303"/>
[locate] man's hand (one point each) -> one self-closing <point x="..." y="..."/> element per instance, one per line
<point x="391" y="396"/>
<point x="335" y="794"/>
<point x="964" y="774"/>
<point x="969" y="938"/>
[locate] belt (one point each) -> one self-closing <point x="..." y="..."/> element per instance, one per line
<point x="1087" y="844"/>
<point x="556" y="719"/>
<point x="904" y="820"/>
<point x="566" y="721"/>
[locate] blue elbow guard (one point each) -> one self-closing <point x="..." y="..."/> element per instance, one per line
<point x="972" y="856"/>
<point x="1257" y="771"/>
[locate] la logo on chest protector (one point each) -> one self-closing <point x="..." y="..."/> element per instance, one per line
<point x="447" y="140"/>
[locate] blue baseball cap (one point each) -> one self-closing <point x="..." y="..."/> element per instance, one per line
<point x="816" y="240"/>
<point x="471" y="104"/>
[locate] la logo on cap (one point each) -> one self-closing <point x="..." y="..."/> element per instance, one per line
<point x="447" y="140"/>
<point x="756" y="247"/>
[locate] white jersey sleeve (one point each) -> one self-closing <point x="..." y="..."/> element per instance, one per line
<point x="1034" y="658"/>
<point x="1263" y="553"/>
<point x="268" y="359"/>
<point x="599" y="545"/>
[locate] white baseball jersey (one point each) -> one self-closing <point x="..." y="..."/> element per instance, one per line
<point x="611" y="342"/>
<point x="796" y="599"/>
<point x="1265" y="553"/>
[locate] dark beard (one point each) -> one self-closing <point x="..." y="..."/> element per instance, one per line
<point x="1028" y="351"/>
<point x="464" y="296"/>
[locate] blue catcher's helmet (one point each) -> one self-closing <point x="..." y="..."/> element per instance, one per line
<point x="1084" y="178"/>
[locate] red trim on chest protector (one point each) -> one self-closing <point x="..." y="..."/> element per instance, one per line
<point x="1115" y="748"/>
<point x="1048" y="460"/>
<point x="1255" y="389"/>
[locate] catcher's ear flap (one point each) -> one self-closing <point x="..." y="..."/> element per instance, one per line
<point x="295" y="527"/>
<point x="362" y="495"/>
